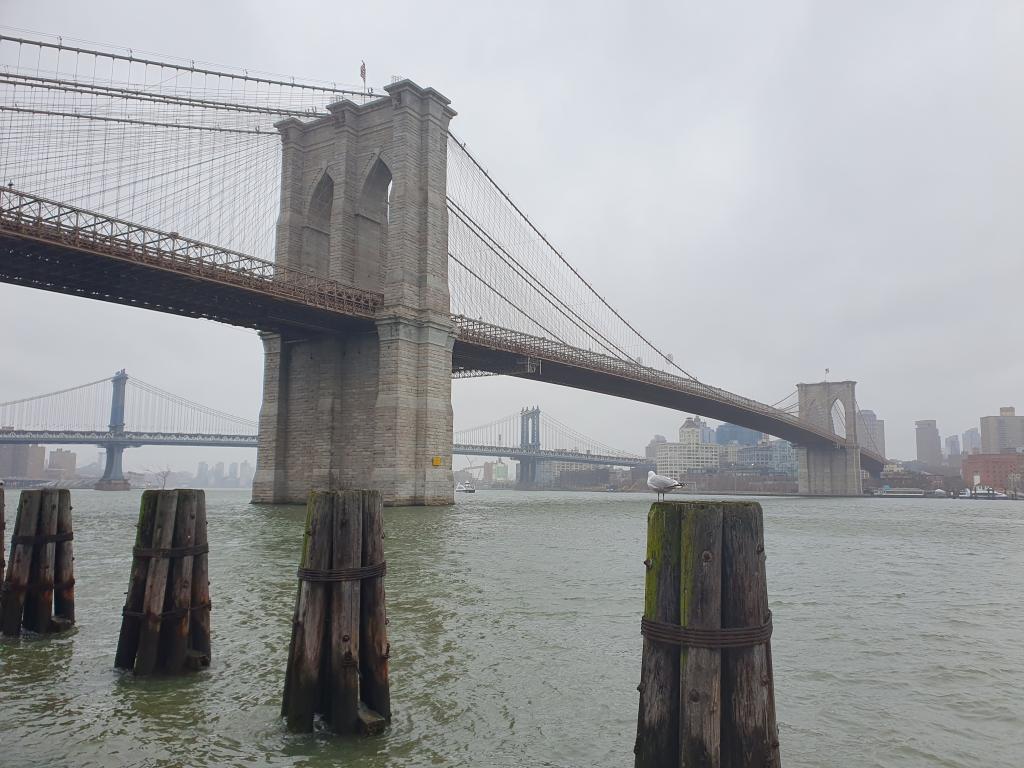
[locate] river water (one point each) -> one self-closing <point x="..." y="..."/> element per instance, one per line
<point x="899" y="638"/>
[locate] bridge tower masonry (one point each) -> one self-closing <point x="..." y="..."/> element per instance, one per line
<point x="363" y="202"/>
<point x="829" y="470"/>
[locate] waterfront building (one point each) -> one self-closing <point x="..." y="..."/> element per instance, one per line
<point x="728" y="433"/>
<point x="676" y="459"/>
<point x="63" y="461"/>
<point x="25" y="462"/>
<point x="783" y="457"/>
<point x="1001" y="471"/>
<point x="549" y="472"/>
<point x="929" y="445"/>
<point x="203" y="475"/>
<point x="729" y="453"/>
<point x="871" y="431"/>
<point x="1003" y="433"/>
<point x="245" y="474"/>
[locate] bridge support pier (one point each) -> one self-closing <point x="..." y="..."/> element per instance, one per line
<point x="363" y="202"/>
<point x="113" y="473"/>
<point x="830" y="470"/>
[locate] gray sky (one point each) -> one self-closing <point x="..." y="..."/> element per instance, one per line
<point x="815" y="185"/>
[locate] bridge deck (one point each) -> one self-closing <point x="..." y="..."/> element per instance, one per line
<point x="56" y="247"/>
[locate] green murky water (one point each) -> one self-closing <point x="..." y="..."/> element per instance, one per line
<point x="899" y="638"/>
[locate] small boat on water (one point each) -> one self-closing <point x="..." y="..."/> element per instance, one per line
<point x="986" y="492"/>
<point x="903" y="493"/>
<point x="466" y="487"/>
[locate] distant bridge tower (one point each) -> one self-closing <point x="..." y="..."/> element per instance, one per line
<point x="363" y="201"/>
<point x="830" y="470"/>
<point x="113" y="473"/>
<point x="529" y="440"/>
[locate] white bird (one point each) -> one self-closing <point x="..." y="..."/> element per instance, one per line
<point x="661" y="484"/>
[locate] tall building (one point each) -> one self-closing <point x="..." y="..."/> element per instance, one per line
<point x="953" y="446"/>
<point x="972" y="441"/>
<point x="871" y="431"/>
<point x="929" y="445"/>
<point x="245" y="474"/>
<point x="203" y="475"/>
<point x="1003" y="433"/>
<point x="23" y="462"/>
<point x="696" y="431"/>
<point x="727" y="433"/>
<point x="652" y="447"/>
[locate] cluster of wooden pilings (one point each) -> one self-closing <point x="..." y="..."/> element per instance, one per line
<point x="38" y="592"/>
<point x="707" y="694"/>
<point x="166" y="617"/>
<point x="338" y="658"/>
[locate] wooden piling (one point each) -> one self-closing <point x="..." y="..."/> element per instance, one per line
<point x="706" y="690"/>
<point x="18" y="569"/>
<point x="64" y="565"/>
<point x="166" y="626"/>
<point x="304" y="656"/>
<point x="344" y="637"/>
<point x="327" y="661"/>
<point x="749" y="731"/>
<point x="3" y="551"/>
<point x="657" y="733"/>
<point x="374" y="648"/>
<point x="40" y="575"/>
<point x="199" y="628"/>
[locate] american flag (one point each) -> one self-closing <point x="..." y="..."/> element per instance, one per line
<point x="362" y="72"/>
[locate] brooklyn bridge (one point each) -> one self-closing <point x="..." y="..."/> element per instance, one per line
<point x="370" y="248"/>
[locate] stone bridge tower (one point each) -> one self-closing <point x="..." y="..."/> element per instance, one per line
<point x="363" y="202"/>
<point x="830" y="470"/>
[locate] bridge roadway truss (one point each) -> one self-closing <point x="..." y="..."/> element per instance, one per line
<point x="55" y="247"/>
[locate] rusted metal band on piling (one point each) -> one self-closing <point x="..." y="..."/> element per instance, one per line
<point x="42" y="538"/>
<point x="171" y="552"/>
<point x="36" y="588"/>
<point x="343" y="574"/>
<point x="727" y="637"/>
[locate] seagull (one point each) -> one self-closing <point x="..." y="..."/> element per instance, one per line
<point x="661" y="484"/>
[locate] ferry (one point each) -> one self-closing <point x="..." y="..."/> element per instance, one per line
<point x="466" y="487"/>
<point x="903" y="493"/>
<point x="986" y="492"/>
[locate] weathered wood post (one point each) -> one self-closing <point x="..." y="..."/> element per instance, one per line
<point x="337" y="659"/>
<point x="3" y="551"/>
<point x="165" y="626"/>
<point x="42" y="564"/>
<point x="706" y="689"/>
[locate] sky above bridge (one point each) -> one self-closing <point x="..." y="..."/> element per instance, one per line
<point x="765" y="190"/>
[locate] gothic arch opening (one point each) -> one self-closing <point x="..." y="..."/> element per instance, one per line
<point x="316" y="235"/>
<point x="372" y="216"/>
<point x="837" y="418"/>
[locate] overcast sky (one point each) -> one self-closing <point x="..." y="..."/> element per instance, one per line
<point x="810" y="184"/>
